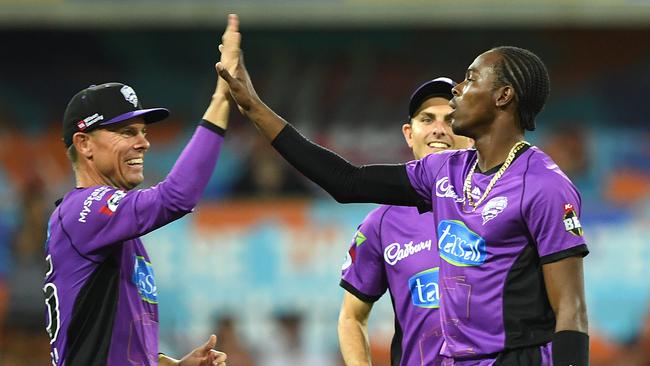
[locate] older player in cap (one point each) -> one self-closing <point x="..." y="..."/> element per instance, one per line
<point x="100" y="288"/>
<point x="395" y="249"/>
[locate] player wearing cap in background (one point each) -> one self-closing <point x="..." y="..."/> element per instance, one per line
<point x="100" y="289"/>
<point x="506" y="217"/>
<point x="395" y="248"/>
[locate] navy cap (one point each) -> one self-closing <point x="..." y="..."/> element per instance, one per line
<point x="438" y="87"/>
<point x="105" y="104"/>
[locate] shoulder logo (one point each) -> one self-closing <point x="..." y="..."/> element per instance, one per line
<point x="96" y="195"/>
<point x="459" y="245"/>
<point x="129" y="95"/>
<point x="444" y="189"/>
<point x="359" y="238"/>
<point x="570" y="219"/>
<point x="494" y="207"/>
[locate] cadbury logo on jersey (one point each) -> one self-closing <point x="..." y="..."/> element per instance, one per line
<point x="144" y="280"/>
<point x="395" y="252"/>
<point x="424" y="289"/>
<point x="459" y="245"/>
<point x="444" y="189"/>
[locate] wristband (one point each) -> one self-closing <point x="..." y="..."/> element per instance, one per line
<point x="570" y="348"/>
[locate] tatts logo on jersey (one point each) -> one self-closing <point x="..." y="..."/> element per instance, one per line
<point x="459" y="245"/>
<point x="112" y="202"/>
<point x="571" y="222"/>
<point x="144" y="280"/>
<point x="424" y="289"/>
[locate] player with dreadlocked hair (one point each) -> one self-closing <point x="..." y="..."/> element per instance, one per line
<point x="527" y="73"/>
<point x="506" y="218"/>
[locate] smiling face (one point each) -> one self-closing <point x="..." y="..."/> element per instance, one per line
<point x="474" y="101"/>
<point x="430" y="130"/>
<point x="116" y="153"/>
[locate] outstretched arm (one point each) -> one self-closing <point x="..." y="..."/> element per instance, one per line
<point x="388" y="184"/>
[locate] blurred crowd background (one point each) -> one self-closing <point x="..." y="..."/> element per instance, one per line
<point x="258" y="262"/>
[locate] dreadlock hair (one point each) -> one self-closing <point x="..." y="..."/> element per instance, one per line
<point x="526" y="72"/>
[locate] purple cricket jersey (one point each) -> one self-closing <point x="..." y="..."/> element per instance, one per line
<point x="395" y="248"/>
<point x="100" y="291"/>
<point x="493" y="296"/>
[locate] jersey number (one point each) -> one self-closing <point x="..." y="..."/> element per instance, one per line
<point x="52" y="304"/>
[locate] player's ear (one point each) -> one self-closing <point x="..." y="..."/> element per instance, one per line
<point x="504" y="95"/>
<point x="81" y="142"/>
<point x="407" y="131"/>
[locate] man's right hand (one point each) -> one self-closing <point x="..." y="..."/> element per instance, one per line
<point x="241" y="86"/>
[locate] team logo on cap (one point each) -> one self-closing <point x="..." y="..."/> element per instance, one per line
<point x="129" y="95"/>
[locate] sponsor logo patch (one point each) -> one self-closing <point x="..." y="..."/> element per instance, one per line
<point x="112" y="202"/>
<point x="359" y="238"/>
<point x="459" y="245"/>
<point x="96" y="195"/>
<point x="395" y="252"/>
<point x="494" y="207"/>
<point x="144" y="280"/>
<point x="424" y="289"/>
<point x="89" y="121"/>
<point x="571" y="222"/>
<point x="445" y="190"/>
<point x="349" y="258"/>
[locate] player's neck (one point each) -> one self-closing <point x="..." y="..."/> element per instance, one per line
<point x="493" y="148"/>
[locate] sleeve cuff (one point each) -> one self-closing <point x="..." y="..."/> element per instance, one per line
<point x="358" y="294"/>
<point x="212" y="127"/>
<point x="577" y="251"/>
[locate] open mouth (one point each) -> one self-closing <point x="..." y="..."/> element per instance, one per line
<point x="438" y="145"/>
<point x="135" y="162"/>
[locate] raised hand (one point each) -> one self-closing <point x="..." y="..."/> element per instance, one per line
<point x="230" y="43"/>
<point x="241" y="86"/>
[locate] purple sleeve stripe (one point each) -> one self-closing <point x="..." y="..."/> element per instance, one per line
<point x="577" y="251"/>
<point x="358" y="294"/>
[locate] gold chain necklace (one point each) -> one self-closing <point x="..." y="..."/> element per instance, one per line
<point x="467" y="186"/>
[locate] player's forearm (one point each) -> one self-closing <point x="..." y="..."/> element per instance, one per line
<point x="265" y="119"/>
<point x="387" y="184"/>
<point x="184" y="185"/>
<point x="354" y="343"/>
<point x="218" y="110"/>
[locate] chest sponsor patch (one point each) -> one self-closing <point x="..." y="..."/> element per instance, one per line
<point x="571" y="222"/>
<point x="444" y="189"/>
<point x="459" y="245"/>
<point x="395" y="252"/>
<point x="424" y="289"/>
<point x="144" y="280"/>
